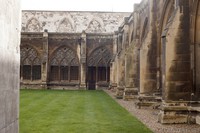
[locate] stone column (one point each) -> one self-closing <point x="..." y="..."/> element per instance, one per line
<point x="129" y="90"/>
<point x="148" y="62"/>
<point x="176" y="72"/>
<point x="131" y="74"/>
<point x="120" y="65"/>
<point x="83" y="60"/>
<point x="121" y="75"/>
<point x="113" y="70"/>
<point x="10" y="25"/>
<point x="44" y="58"/>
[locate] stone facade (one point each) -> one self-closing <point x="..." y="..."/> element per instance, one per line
<point x="67" y="50"/>
<point x="10" y="24"/>
<point x="150" y="55"/>
<point x="158" y="56"/>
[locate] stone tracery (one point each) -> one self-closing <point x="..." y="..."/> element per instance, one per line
<point x="100" y="57"/>
<point x="65" y="26"/>
<point x="33" y="25"/>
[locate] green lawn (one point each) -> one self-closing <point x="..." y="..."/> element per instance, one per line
<point x="51" y="111"/>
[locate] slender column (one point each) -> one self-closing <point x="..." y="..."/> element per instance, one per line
<point x="113" y="66"/>
<point x="44" y="65"/>
<point x="83" y="60"/>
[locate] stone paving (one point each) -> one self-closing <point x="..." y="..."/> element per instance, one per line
<point x="149" y="117"/>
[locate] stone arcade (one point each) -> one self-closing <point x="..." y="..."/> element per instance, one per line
<point x="158" y="57"/>
<point x="150" y="55"/>
<point x="67" y="50"/>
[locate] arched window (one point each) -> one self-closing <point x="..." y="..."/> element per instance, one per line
<point x="30" y="64"/>
<point x="64" y="65"/>
<point x="99" y="60"/>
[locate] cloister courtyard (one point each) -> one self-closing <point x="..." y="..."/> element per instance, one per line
<point x="64" y="111"/>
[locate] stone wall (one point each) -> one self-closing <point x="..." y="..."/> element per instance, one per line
<point x="71" y="21"/>
<point x="88" y="34"/>
<point x="9" y="64"/>
<point x="163" y="49"/>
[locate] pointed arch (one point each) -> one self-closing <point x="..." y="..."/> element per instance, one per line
<point x="167" y="11"/>
<point x="96" y="25"/>
<point x="98" y="55"/>
<point x="33" y="25"/>
<point x="99" y="65"/>
<point x="64" y="55"/>
<point x="64" y="65"/>
<point x="29" y="54"/>
<point x="66" y="25"/>
<point x="30" y="63"/>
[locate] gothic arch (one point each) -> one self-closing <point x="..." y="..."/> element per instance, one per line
<point x="64" y="65"/>
<point x="101" y="56"/>
<point x="33" y="25"/>
<point x="96" y="25"/>
<point x="65" y="54"/>
<point x="167" y="11"/>
<point x="66" y="25"/>
<point x="29" y="56"/>
<point x="30" y="68"/>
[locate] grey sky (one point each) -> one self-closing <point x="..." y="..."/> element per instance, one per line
<point x="80" y="5"/>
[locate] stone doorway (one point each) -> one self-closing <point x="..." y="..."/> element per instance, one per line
<point x="91" y="78"/>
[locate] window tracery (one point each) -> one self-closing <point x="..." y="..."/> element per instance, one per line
<point x="30" y="64"/>
<point x="64" y="65"/>
<point x="100" y="57"/>
<point x="33" y="25"/>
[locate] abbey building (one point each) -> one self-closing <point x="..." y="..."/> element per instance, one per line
<point x="150" y="55"/>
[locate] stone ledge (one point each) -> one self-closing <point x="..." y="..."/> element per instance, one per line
<point x="172" y="117"/>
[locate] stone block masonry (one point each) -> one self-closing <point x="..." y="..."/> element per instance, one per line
<point x="9" y="65"/>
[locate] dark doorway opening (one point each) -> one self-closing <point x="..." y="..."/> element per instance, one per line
<point x="91" y="78"/>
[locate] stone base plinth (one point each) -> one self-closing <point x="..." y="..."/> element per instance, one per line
<point x="82" y="86"/>
<point x="130" y="93"/>
<point x="176" y="112"/>
<point x="113" y="87"/>
<point x="147" y="101"/>
<point x="119" y="92"/>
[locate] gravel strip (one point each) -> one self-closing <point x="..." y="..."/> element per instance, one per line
<point x="149" y="118"/>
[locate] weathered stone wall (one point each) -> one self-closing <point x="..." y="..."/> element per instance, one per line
<point x="71" y="21"/>
<point x="163" y="49"/>
<point x="93" y="47"/>
<point x="9" y="64"/>
<point x="88" y="34"/>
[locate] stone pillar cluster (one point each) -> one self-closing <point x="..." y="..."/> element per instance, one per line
<point x="155" y="62"/>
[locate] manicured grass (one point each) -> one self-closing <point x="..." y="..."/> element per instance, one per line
<point x="50" y="111"/>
